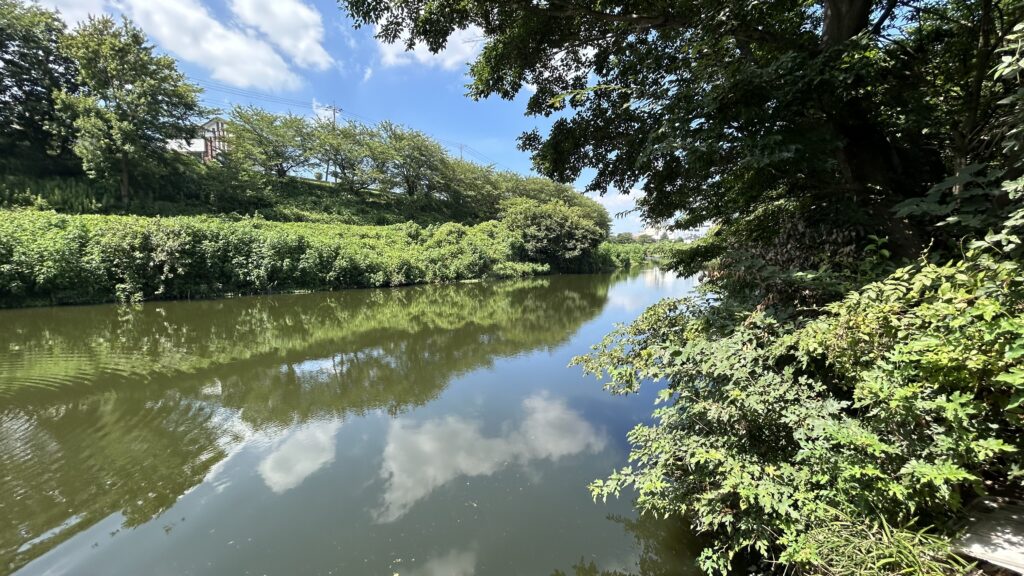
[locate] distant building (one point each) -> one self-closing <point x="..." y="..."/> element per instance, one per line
<point x="211" y="146"/>
<point x="659" y="233"/>
<point x="215" y="133"/>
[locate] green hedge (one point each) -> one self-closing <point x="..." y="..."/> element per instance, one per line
<point x="49" y="258"/>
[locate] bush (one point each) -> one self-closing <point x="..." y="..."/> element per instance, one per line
<point x="72" y="195"/>
<point x="630" y="254"/>
<point x="553" y="233"/>
<point x="899" y="404"/>
<point x="51" y="258"/>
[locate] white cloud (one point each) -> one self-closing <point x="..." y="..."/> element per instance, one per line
<point x="367" y="74"/>
<point x="188" y="30"/>
<point x="74" y="11"/>
<point x="322" y="111"/>
<point x="622" y="208"/>
<point x="461" y="48"/>
<point x="301" y="454"/>
<point x="345" y="29"/>
<point x="420" y="458"/>
<point x="292" y="25"/>
<point x="616" y="203"/>
<point x="454" y="563"/>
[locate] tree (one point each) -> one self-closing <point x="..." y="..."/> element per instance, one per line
<point x="472" y="189"/>
<point x="33" y="68"/>
<point x="342" y="151"/>
<point x="408" y="161"/>
<point x="545" y="190"/>
<point x="721" y="110"/>
<point x="272" y="146"/>
<point x="128" y="104"/>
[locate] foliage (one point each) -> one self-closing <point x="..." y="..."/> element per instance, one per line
<point x="342" y="152"/>
<point x="900" y="400"/>
<point x="797" y="430"/>
<point x="51" y="258"/>
<point x="554" y="233"/>
<point x="270" y="146"/>
<point x="408" y="162"/>
<point x="128" y="103"/>
<point x="850" y="548"/>
<point x="717" y="110"/>
<point x="386" y="164"/>
<point x="34" y="67"/>
<point x="70" y="195"/>
<point x="616" y="254"/>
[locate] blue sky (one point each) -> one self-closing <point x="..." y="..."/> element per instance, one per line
<point x="295" y="55"/>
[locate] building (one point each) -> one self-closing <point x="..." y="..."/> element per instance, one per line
<point x="215" y="132"/>
<point x="210" y="146"/>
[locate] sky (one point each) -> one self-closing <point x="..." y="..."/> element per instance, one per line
<point x="302" y="55"/>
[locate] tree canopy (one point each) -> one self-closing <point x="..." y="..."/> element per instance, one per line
<point x="128" y="102"/>
<point x="33" y="68"/>
<point x="719" y="111"/>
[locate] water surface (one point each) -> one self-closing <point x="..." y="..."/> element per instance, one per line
<point x="431" y="430"/>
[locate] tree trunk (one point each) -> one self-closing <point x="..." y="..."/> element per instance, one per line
<point x="844" y="19"/>
<point x="125" y="189"/>
<point x="868" y="161"/>
<point x="866" y="157"/>
<point x="967" y="136"/>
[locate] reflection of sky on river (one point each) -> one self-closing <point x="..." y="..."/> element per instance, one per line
<point x="492" y="470"/>
<point x="300" y="453"/>
<point x="633" y="297"/>
<point x="420" y="457"/>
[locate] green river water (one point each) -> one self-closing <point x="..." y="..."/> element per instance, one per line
<point x="430" y="430"/>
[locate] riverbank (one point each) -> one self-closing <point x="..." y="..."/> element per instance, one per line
<point x="48" y="258"/>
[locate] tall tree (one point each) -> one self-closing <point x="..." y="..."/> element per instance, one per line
<point x="129" y="102"/>
<point x="728" y="110"/>
<point x="32" y="68"/>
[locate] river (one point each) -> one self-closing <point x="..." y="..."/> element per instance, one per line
<point x="431" y="430"/>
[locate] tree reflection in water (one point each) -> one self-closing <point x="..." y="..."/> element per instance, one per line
<point x="664" y="544"/>
<point x="107" y="410"/>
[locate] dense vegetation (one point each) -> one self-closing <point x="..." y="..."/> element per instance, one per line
<point x="94" y="118"/>
<point x="92" y="115"/>
<point x="50" y="258"/>
<point x="850" y="376"/>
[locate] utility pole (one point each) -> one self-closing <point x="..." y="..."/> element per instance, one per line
<point x="334" y="122"/>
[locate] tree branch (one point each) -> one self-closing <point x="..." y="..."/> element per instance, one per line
<point x="564" y="9"/>
<point x="886" y="14"/>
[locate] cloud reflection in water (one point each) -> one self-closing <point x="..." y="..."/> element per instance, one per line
<point x="421" y="457"/>
<point x="299" y="455"/>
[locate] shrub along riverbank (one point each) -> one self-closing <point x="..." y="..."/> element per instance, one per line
<point x="49" y="258"/>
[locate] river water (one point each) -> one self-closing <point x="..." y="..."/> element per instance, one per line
<point x="431" y="430"/>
